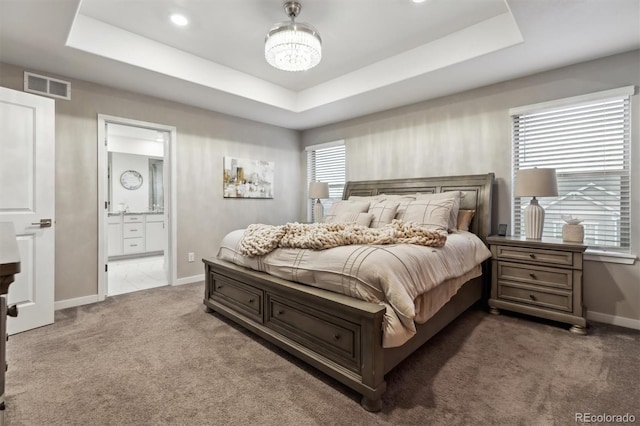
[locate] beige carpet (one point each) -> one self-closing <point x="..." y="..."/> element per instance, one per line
<point x="155" y="358"/>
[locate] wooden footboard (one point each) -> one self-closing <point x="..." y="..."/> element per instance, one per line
<point x="336" y="334"/>
<point x="339" y="335"/>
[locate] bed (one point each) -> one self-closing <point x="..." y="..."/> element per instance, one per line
<point x="340" y="335"/>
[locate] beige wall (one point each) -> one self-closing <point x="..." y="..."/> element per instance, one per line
<point x="470" y="133"/>
<point x="204" y="137"/>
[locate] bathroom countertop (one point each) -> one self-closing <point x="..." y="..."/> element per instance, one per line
<point x="132" y="213"/>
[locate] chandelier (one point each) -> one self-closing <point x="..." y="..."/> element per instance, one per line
<point x="293" y="46"/>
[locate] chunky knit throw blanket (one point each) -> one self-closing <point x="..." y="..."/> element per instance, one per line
<point x="261" y="239"/>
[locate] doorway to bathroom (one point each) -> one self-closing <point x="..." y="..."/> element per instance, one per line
<point x="136" y="238"/>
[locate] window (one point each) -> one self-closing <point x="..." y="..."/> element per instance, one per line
<point x="326" y="163"/>
<point x="587" y="140"/>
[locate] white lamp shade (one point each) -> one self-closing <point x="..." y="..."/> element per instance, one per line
<point x="536" y="183"/>
<point x="318" y="190"/>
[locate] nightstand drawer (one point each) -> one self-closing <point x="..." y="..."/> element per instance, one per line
<point x="535" y="255"/>
<point x="535" y="275"/>
<point x="552" y="299"/>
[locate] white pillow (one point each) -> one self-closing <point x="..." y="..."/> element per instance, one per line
<point x="432" y="214"/>
<point x="455" y="195"/>
<point x="383" y="212"/>
<point x="340" y="207"/>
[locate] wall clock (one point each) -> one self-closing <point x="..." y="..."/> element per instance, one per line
<point x="131" y="179"/>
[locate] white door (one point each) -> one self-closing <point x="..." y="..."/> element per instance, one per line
<point x="27" y="152"/>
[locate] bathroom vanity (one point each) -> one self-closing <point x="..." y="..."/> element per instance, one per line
<point x="135" y="234"/>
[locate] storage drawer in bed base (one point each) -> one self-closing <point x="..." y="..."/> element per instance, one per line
<point x="328" y="335"/>
<point x="243" y="298"/>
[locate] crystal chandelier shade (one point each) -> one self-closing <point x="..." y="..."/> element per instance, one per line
<point x="292" y="46"/>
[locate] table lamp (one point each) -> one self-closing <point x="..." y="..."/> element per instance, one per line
<point x="536" y="182"/>
<point x="318" y="190"/>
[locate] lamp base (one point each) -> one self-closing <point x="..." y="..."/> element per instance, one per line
<point x="318" y="211"/>
<point x="533" y="220"/>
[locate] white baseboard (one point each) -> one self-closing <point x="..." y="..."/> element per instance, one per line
<point x="189" y="280"/>
<point x="85" y="300"/>
<point x="614" y="320"/>
<point x="78" y="301"/>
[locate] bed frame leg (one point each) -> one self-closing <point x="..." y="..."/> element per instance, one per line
<point x="373" y="405"/>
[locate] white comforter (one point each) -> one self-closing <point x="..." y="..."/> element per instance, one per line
<point x="398" y="276"/>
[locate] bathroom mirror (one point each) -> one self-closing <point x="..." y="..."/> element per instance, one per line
<point x="135" y="169"/>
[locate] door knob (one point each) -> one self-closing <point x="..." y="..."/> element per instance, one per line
<point x="12" y="311"/>
<point x="44" y="223"/>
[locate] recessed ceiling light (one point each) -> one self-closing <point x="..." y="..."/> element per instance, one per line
<point x="179" y="20"/>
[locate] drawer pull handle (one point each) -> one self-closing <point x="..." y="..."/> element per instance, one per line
<point x="250" y="300"/>
<point x="336" y="337"/>
<point x="220" y="286"/>
<point x="280" y="312"/>
<point x="531" y="255"/>
<point x="133" y="245"/>
<point x="133" y="230"/>
<point x="532" y="275"/>
<point x="532" y="297"/>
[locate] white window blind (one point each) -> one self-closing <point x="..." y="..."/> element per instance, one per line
<point x="326" y="163"/>
<point x="587" y="140"/>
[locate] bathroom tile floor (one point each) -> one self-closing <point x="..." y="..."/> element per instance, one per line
<point x="141" y="273"/>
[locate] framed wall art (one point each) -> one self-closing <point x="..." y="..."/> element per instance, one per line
<point x="244" y="178"/>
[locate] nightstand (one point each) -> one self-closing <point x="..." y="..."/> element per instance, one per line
<point x="542" y="278"/>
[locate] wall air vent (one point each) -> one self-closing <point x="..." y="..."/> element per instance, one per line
<point x="47" y="86"/>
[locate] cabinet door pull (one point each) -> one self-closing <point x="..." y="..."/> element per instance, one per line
<point x="336" y="337"/>
<point x="280" y="312"/>
<point x="531" y="255"/>
<point x="532" y="275"/>
<point x="250" y="300"/>
<point x="532" y="297"/>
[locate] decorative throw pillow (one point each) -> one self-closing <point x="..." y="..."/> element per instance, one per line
<point x="346" y="207"/>
<point x="432" y="214"/>
<point x="456" y="195"/>
<point x="464" y="219"/>
<point x="383" y="212"/>
<point x="402" y="201"/>
<point x="363" y="219"/>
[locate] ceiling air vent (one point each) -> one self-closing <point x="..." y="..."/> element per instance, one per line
<point x="47" y="86"/>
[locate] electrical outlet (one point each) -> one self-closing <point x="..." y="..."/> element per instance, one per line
<point x="192" y="257"/>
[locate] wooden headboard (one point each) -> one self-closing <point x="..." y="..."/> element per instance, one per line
<point x="477" y="191"/>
